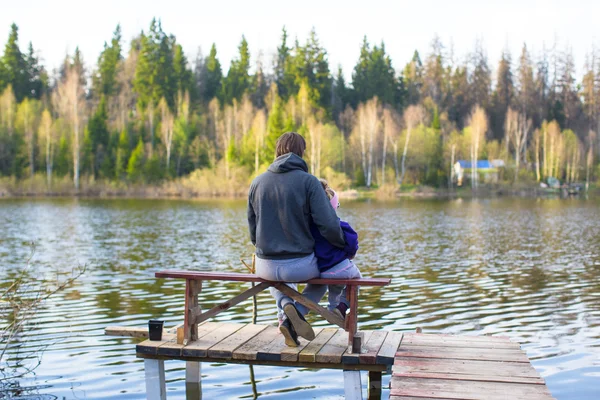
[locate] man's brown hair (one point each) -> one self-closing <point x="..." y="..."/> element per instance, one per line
<point x="290" y="142"/>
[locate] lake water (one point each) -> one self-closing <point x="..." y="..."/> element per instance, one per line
<point x="524" y="268"/>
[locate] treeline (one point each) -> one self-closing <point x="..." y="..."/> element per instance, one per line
<point x="149" y="115"/>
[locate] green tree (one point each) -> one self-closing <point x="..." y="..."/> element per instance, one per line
<point x="105" y="79"/>
<point x="275" y="128"/>
<point x="503" y="95"/>
<point x="237" y="81"/>
<point x="210" y="76"/>
<point x="14" y="65"/>
<point x="122" y="155"/>
<point x="135" y="166"/>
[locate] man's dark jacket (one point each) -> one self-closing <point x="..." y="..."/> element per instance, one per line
<point x="281" y="204"/>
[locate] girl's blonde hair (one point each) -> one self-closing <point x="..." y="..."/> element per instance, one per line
<point x="328" y="190"/>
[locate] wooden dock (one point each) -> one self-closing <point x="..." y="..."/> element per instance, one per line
<point x="423" y="366"/>
<point x="464" y="367"/>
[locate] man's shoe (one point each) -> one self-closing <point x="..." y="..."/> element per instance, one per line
<point x="302" y="327"/>
<point x="340" y="310"/>
<point x="290" y="335"/>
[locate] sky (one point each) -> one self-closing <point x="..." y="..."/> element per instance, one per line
<point x="57" y="27"/>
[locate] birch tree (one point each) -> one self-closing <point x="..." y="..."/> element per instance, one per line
<point x="47" y="135"/>
<point x="413" y="117"/>
<point x="259" y="129"/>
<point x="369" y="126"/>
<point x="391" y="132"/>
<point x="26" y="121"/>
<point x="166" y="128"/>
<point x="478" y="124"/>
<point x="517" y="128"/>
<point x="69" y="100"/>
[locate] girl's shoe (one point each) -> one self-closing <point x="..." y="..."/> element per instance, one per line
<point x="340" y="310"/>
<point x="290" y="335"/>
<point x="300" y="325"/>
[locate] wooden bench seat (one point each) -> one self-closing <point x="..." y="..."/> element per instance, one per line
<point x="238" y="277"/>
<point x="194" y="315"/>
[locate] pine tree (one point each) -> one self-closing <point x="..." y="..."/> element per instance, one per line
<point x="105" y="79"/>
<point x="210" y="76"/>
<point x="14" y="66"/>
<point x="503" y="95"/>
<point x="413" y="79"/>
<point x="237" y="81"/>
<point x="275" y="128"/>
<point x="135" y="166"/>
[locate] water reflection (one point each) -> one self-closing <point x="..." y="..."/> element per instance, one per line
<point x="524" y="268"/>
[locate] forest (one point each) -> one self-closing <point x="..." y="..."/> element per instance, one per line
<point x="148" y="116"/>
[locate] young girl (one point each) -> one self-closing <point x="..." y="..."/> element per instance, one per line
<point x="333" y="262"/>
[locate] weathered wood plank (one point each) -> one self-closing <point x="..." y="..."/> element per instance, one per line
<point x="309" y="353"/>
<point x="490" y="377"/>
<point x="250" y="349"/>
<point x="332" y="351"/>
<point x="372" y="347"/>
<point x="224" y="349"/>
<point x="388" y="349"/>
<point x="127" y="331"/>
<point x="277" y="350"/>
<point x="350" y="357"/>
<point x="238" y="277"/>
<point x="469" y="367"/>
<point x="413" y="339"/>
<point x="174" y="348"/>
<point x="151" y="346"/>
<point x="311" y="305"/>
<point x="468" y="390"/>
<point x="199" y="348"/>
<point x="463" y="354"/>
<point x="232" y="302"/>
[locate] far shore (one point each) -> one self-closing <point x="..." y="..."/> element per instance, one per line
<point x="384" y="193"/>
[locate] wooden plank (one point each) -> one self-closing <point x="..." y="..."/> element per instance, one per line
<point x="461" y="341"/>
<point x="451" y="336"/>
<point x="151" y="346"/>
<point x="463" y="354"/>
<point x="277" y="350"/>
<point x="309" y="353"/>
<point x="311" y="305"/>
<point x="238" y="277"/>
<point x="230" y="303"/>
<point x="441" y="388"/>
<point x="224" y="349"/>
<point x="174" y="348"/>
<point x="199" y="348"/>
<point x="372" y="347"/>
<point x="465" y="377"/>
<point x="250" y="349"/>
<point x="469" y="367"/>
<point x="127" y="331"/>
<point x="332" y="351"/>
<point x="388" y="349"/>
<point x="350" y="357"/>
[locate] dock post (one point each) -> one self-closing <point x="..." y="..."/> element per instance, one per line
<point x="352" y="386"/>
<point x="156" y="388"/>
<point x="192" y="372"/>
<point x="374" y="385"/>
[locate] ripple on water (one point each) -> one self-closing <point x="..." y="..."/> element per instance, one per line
<point x="522" y="268"/>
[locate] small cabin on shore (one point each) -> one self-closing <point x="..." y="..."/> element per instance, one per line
<point x="489" y="170"/>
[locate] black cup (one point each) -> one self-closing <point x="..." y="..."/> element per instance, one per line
<point x="155" y="328"/>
